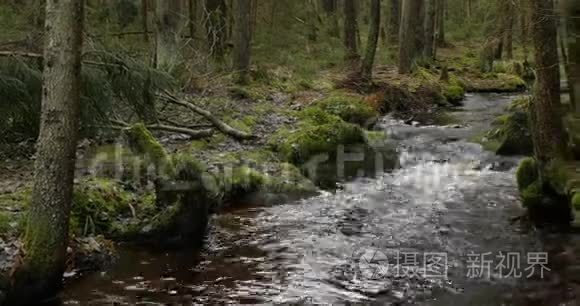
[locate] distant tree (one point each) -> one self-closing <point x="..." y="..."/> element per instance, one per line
<point x="572" y="23"/>
<point x="509" y="13"/>
<point x="330" y="9"/>
<point x="441" y="8"/>
<point x="394" y="24"/>
<point x="168" y="26"/>
<point x="242" y="39"/>
<point x="430" y="19"/>
<point x="407" y="41"/>
<point x="47" y="227"/>
<point x="368" y="61"/>
<point x="546" y="113"/>
<point x="350" y="31"/>
<point x="216" y="27"/>
<point x="420" y="30"/>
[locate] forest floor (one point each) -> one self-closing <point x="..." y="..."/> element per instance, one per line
<point x="273" y="104"/>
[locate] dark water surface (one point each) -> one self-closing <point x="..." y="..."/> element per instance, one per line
<point x="377" y="240"/>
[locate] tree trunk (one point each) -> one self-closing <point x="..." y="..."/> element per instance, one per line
<point x="145" y="19"/>
<point x="524" y="27"/>
<point x="394" y="21"/>
<point x="509" y="27"/>
<point x="242" y="39"/>
<point x="168" y="26"/>
<point x="572" y="9"/>
<point x="191" y="5"/>
<point x="216" y="27"/>
<point x="407" y="41"/>
<point x="368" y="61"/>
<point x="546" y="109"/>
<point x="420" y="31"/>
<point x="350" y="25"/>
<point x="441" y="5"/>
<point x="330" y="8"/>
<point x="47" y="227"/>
<point x="430" y="12"/>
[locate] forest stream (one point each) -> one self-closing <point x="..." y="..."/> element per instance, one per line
<point x="403" y="237"/>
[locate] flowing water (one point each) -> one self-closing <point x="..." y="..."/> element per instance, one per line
<point x="404" y="237"/>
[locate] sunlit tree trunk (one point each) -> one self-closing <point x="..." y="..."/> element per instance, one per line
<point x="47" y="227"/>
<point x="242" y="39"/>
<point x="394" y="21"/>
<point x="350" y="25"/>
<point x="407" y="41"/>
<point x="546" y="110"/>
<point x="168" y="26"/>
<point x="368" y="61"/>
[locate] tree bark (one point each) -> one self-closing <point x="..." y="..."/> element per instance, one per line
<point x="242" y="40"/>
<point x="572" y="10"/>
<point x="46" y="239"/>
<point x="145" y="19"/>
<point x="509" y="27"/>
<point x="394" y="21"/>
<point x="441" y="7"/>
<point x="429" y="47"/>
<point x="350" y="29"/>
<point x="407" y="41"/>
<point x="420" y="30"/>
<point x="546" y="109"/>
<point x="168" y="26"/>
<point x="368" y="61"/>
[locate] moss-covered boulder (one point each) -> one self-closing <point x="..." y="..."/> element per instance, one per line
<point x="350" y="108"/>
<point x="511" y="133"/>
<point x="258" y="177"/>
<point x="314" y="138"/>
<point x="453" y="91"/>
<point x="527" y="173"/>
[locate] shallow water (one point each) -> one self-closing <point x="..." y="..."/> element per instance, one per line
<point x="403" y="237"/>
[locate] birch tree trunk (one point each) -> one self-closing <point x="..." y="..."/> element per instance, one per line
<point x="46" y="239"/>
<point x="242" y="39"/>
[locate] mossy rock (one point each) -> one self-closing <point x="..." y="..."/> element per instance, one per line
<point x="511" y="134"/>
<point x="532" y="195"/>
<point x="527" y="173"/>
<point x="97" y="203"/>
<point x="350" y="108"/>
<point x="453" y="93"/>
<point x="310" y="140"/>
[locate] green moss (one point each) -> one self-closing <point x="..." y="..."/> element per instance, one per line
<point x="576" y="201"/>
<point x="511" y="134"/>
<point x="144" y="143"/>
<point x="289" y="181"/>
<point x="527" y="173"/>
<point x="97" y="203"/>
<point x="241" y="181"/>
<point x="532" y="195"/>
<point x="352" y="109"/>
<point x="453" y="93"/>
<point x="309" y="139"/>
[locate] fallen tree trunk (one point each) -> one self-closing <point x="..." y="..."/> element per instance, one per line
<point x="220" y="125"/>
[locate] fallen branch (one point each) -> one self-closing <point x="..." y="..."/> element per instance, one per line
<point x="194" y="134"/>
<point x="220" y="125"/>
